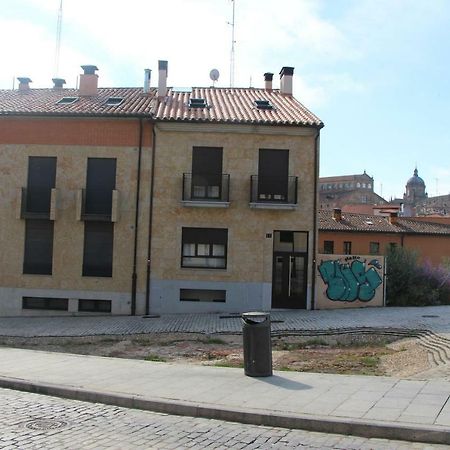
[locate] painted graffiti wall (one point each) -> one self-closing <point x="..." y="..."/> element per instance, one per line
<point x="349" y="281"/>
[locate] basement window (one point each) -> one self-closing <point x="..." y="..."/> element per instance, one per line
<point x="67" y="100"/>
<point x="86" y="305"/>
<point x="202" y="295"/>
<point x="197" y="103"/>
<point x="114" y="101"/>
<point x="45" y="303"/>
<point x="263" y="104"/>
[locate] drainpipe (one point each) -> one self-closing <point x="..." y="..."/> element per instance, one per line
<point x="136" y="224"/>
<point x="316" y="180"/>
<point x="150" y="223"/>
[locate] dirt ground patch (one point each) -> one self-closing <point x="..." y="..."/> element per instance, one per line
<point x="345" y="354"/>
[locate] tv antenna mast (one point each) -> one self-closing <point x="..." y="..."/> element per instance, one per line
<point x="58" y="37"/>
<point x="233" y="41"/>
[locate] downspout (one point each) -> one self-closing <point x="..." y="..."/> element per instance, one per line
<point x="136" y="224"/>
<point x="316" y="180"/>
<point x="150" y="224"/>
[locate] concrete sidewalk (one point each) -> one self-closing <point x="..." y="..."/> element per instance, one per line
<point x="360" y="405"/>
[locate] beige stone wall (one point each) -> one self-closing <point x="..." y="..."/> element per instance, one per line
<point x="249" y="250"/>
<point x="68" y="231"/>
<point x="349" y="281"/>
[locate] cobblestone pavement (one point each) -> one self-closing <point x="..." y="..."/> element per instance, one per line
<point x="31" y="421"/>
<point x="435" y="318"/>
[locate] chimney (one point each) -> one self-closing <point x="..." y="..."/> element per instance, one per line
<point x="147" y="75"/>
<point x="337" y="214"/>
<point x="268" y="81"/>
<point x="88" y="81"/>
<point x="286" y="75"/>
<point x="162" y="80"/>
<point x="393" y="218"/>
<point x="58" y="83"/>
<point x="24" y="83"/>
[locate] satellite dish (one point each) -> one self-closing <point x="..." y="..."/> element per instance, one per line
<point x="214" y="75"/>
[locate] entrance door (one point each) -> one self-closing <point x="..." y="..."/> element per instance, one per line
<point x="289" y="280"/>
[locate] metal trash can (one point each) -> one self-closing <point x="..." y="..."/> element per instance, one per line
<point x="257" y="344"/>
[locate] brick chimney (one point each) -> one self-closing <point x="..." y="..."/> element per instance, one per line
<point x="393" y="218"/>
<point x="88" y="81"/>
<point x="286" y="75"/>
<point x="24" y="83"/>
<point x="337" y="214"/>
<point x="58" y="83"/>
<point x="268" y="81"/>
<point x="162" y="79"/>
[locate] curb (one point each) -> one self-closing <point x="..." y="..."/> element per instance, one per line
<point x="407" y="432"/>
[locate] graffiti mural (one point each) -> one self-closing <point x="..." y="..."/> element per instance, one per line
<point x="350" y="278"/>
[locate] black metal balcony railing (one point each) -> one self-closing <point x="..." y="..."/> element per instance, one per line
<point x="96" y="204"/>
<point x="206" y="187"/>
<point x="273" y="189"/>
<point x="36" y="203"/>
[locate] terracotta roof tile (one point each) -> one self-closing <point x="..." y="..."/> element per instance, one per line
<point x="236" y="105"/>
<point x="45" y="101"/>
<point x="378" y="224"/>
<point x="224" y="105"/>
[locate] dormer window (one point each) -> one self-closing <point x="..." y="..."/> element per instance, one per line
<point x="197" y="103"/>
<point x="263" y="104"/>
<point x="114" y="101"/>
<point x="67" y="100"/>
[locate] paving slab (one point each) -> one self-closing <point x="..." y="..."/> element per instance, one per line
<point x="317" y="402"/>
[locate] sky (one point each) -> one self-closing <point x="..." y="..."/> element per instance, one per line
<point x="377" y="72"/>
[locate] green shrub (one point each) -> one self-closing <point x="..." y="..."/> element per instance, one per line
<point x="410" y="283"/>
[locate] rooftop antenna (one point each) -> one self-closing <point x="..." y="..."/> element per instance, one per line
<point x="233" y="41"/>
<point x="58" y="38"/>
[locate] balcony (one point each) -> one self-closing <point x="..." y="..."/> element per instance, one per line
<point x="273" y="192"/>
<point x="37" y="203"/>
<point x="206" y="190"/>
<point x="97" y="205"/>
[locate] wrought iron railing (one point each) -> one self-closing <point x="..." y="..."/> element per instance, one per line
<point x="206" y="187"/>
<point x="273" y="189"/>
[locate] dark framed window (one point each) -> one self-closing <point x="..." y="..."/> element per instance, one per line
<point x="53" y="304"/>
<point x="41" y="181"/>
<point x="86" y="305"/>
<point x="98" y="249"/>
<point x="328" y="247"/>
<point x="206" y="172"/>
<point x="38" y="255"/>
<point x="347" y="248"/>
<point x="374" y="248"/>
<point x="203" y="295"/>
<point x="204" y="248"/>
<point x="100" y="182"/>
<point x="392" y="245"/>
<point x="273" y="171"/>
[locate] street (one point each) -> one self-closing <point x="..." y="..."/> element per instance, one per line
<point x="32" y="421"/>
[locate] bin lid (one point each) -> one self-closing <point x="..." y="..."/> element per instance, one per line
<point x="255" y="316"/>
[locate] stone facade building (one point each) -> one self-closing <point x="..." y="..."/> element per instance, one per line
<point x="138" y="201"/>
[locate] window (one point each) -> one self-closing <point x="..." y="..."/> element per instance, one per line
<point x="206" y="172"/>
<point x="202" y="295"/>
<point x="67" y="100"/>
<point x="393" y="245"/>
<point x="98" y="249"/>
<point x="273" y="175"/>
<point x="347" y="248"/>
<point x="197" y="103"/>
<point x="204" y="247"/>
<point x="374" y="248"/>
<point x="100" y="182"/>
<point x="94" y="305"/>
<point x="41" y="181"/>
<point x="263" y="104"/>
<point x="114" y="101"/>
<point x="328" y="247"/>
<point x="54" y="304"/>
<point x="38" y="254"/>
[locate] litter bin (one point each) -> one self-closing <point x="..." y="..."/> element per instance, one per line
<point x="257" y="344"/>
